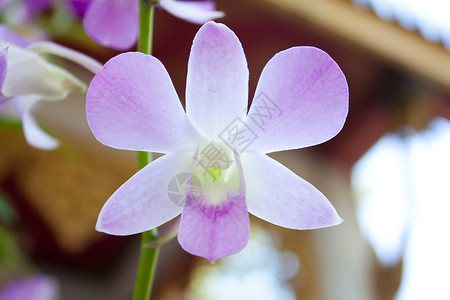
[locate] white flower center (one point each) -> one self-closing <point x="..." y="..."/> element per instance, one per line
<point x="217" y="172"/>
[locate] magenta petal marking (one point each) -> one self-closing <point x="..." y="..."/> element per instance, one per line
<point x="113" y="23"/>
<point x="212" y="231"/>
<point x="217" y="80"/>
<point x="132" y="104"/>
<point x="142" y="203"/>
<point x="215" y="231"/>
<point x="279" y="196"/>
<point x="301" y="100"/>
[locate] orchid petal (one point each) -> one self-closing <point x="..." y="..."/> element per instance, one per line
<point x="34" y="135"/>
<point x="279" y="196"/>
<point x="132" y="104"/>
<point x="30" y="74"/>
<point x="197" y="12"/>
<point x="3" y="64"/>
<point x="301" y="100"/>
<point x="3" y="70"/>
<point x="215" y="230"/>
<point x="67" y="53"/>
<point x="143" y="202"/>
<point x="217" y="80"/>
<point x="10" y="37"/>
<point x="37" y="287"/>
<point x="113" y="23"/>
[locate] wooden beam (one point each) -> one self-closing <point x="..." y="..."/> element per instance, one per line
<point x="407" y="49"/>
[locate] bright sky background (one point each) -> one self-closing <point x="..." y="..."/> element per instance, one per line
<point x="403" y="188"/>
<point x="430" y="17"/>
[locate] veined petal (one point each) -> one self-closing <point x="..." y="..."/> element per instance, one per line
<point x="82" y="59"/>
<point x="34" y="135"/>
<point x="10" y="37"/>
<point x="301" y="100"/>
<point x="277" y="195"/>
<point x="132" y="104"/>
<point x="143" y="202"/>
<point x="214" y="228"/>
<point x="30" y="74"/>
<point x="113" y="23"/>
<point x="197" y="12"/>
<point x="217" y="80"/>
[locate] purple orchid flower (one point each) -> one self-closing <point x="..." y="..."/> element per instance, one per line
<point x="114" y="23"/>
<point x="37" y="287"/>
<point x="132" y="104"/>
<point x="27" y="78"/>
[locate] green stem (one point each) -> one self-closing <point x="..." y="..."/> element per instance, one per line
<point x="149" y="256"/>
<point x="143" y="159"/>
<point x="145" y="40"/>
<point x="147" y="267"/>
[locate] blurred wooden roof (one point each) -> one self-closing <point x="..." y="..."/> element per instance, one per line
<point x="406" y="49"/>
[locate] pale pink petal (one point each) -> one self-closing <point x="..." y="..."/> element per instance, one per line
<point x="132" y="104"/>
<point x="10" y="37"/>
<point x="277" y="195"/>
<point x="143" y="202"/>
<point x="34" y="135"/>
<point x="197" y="12"/>
<point x="301" y="100"/>
<point x="77" y="57"/>
<point x="217" y="80"/>
<point x="113" y="23"/>
<point x="212" y="230"/>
